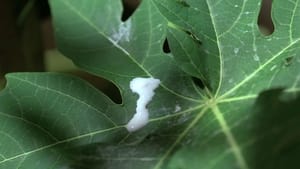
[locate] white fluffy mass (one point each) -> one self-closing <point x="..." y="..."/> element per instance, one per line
<point x="144" y="87"/>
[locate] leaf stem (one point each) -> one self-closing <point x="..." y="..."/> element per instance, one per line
<point x="230" y="138"/>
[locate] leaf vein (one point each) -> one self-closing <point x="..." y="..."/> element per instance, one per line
<point x="60" y="142"/>
<point x="179" y="138"/>
<point x="220" y="52"/>
<point x="253" y="74"/>
<point x="70" y="6"/>
<point x="230" y="138"/>
<point x="65" y="95"/>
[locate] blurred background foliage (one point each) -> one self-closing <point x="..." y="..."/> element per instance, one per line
<point x="27" y="40"/>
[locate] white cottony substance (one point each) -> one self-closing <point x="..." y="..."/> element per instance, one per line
<point x="144" y="87"/>
<point x="177" y="108"/>
<point x="123" y="33"/>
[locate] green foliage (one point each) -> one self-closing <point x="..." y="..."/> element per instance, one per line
<point x="246" y="116"/>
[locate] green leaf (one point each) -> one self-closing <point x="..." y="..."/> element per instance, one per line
<point x="246" y="116"/>
<point x="40" y="112"/>
<point x="187" y="53"/>
<point x="264" y="135"/>
<point x="116" y="50"/>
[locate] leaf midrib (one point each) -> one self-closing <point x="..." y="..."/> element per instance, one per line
<point x="220" y="51"/>
<point x="64" y="95"/>
<point x="292" y="20"/>
<point x="210" y="105"/>
<point x="61" y="142"/>
<point x="230" y="138"/>
<point x="214" y="106"/>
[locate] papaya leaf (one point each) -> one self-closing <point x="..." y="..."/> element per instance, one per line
<point x="228" y="97"/>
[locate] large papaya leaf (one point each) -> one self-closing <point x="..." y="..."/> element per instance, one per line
<point x="58" y="121"/>
<point x="40" y="112"/>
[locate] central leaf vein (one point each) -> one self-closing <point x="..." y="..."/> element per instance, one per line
<point x="230" y="138"/>
<point x="68" y="96"/>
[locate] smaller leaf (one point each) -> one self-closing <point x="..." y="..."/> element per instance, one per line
<point x="41" y="114"/>
<point x="183" y="3"/>
<point x="187" y="52"/>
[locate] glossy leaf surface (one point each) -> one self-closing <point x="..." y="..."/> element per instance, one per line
<point x="246" y="116"/>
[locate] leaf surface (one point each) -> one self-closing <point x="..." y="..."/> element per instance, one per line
<point x="246" y="115"/>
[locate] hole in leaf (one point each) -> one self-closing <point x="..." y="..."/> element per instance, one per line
<point x="166" y="47"/>
<point x="2" y="82"/>
<point x="183" y="3"/>
<point x="194" y="37"/>
<point x="129" y="6"/>
<point x="43" y="8"/>
<point x="265" y="21"/>
<point x="288" y="60"/>
<point x="105" y="86"/>
<point x="198" y="82"/>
